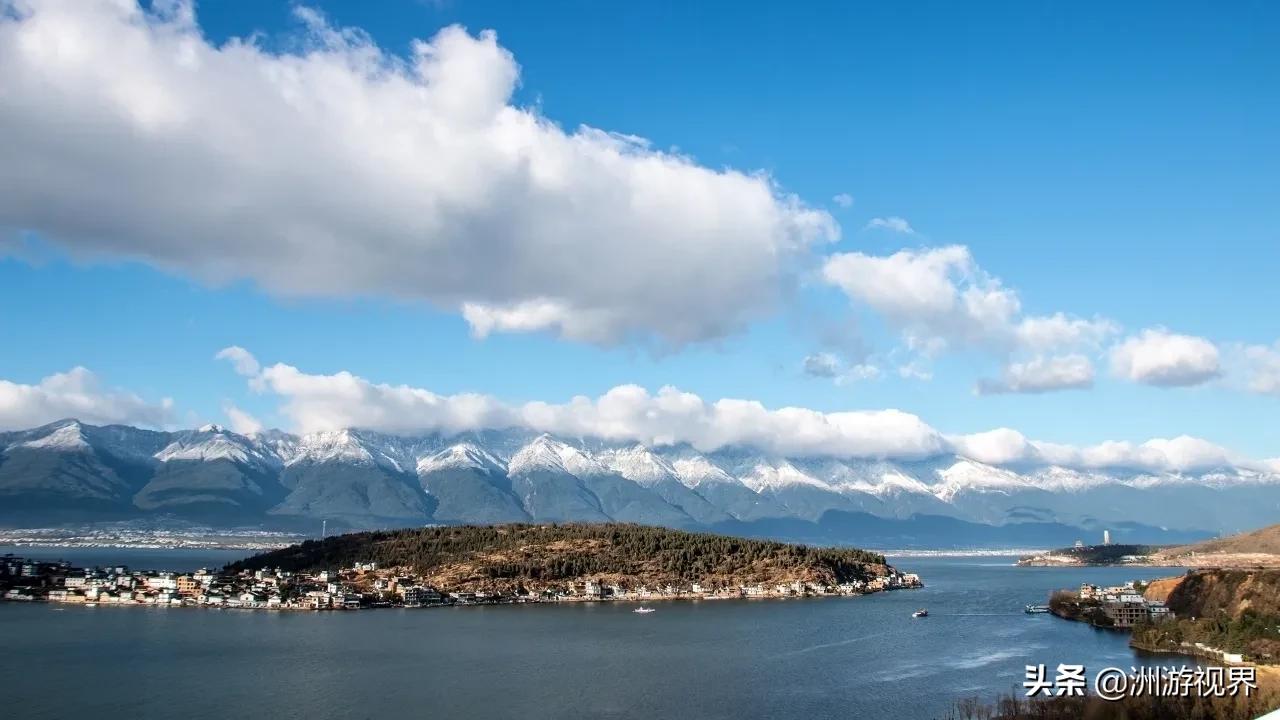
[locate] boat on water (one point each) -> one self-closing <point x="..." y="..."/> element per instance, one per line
<point x="643" y="610"/>
<point x="1036" y="609"/>
<point x="920" y="613"/>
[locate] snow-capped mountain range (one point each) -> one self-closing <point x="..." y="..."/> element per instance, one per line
<point x="70" y="471"/>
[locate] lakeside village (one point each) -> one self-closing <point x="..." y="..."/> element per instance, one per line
<point x="1119" y="606"/>
<point x="363" y="586"/>
<point x="1125" y="607"/>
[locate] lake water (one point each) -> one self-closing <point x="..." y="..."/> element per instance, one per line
<point x="863" y="657"/>
<point x="176" y="559"/>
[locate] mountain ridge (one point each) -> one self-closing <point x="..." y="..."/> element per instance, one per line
<point x="367" y="479"/>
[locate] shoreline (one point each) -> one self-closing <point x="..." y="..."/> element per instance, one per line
<point x="1133" y="644"/>
<point x="49" y="545"/>
<point x="1155" y="565"/>
<point x="503" y="602"/>
<point x="1187" y="652"/>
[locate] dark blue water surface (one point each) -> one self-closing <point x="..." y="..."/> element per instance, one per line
<point x="863" y="657"/>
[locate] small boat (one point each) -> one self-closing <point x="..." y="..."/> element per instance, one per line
<point x="643" y="610"/>
<point x="1035" y="609"/>
<point x="920" y="613"/>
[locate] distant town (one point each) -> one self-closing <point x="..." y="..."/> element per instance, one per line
<point x="149" y="536"/>
<point x="364" y="585"/>
<point x="1080" y="554"/>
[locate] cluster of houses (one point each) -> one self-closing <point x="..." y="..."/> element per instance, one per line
<point x="1124" y="604"/>
<point x="363" y="585"/>
<point x="31" y="580"/>
<point x="592" y="590"/>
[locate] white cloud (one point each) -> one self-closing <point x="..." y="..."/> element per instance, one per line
<point x="1041" y="374"/>
<point x="858" y="373"/>
<point x="1001" y="446"/>
<point x="1158" y="357"/>
<point x="243" y="361"/>
<point x="843" y="200"/>
<point x="1261" y="367"/>
<point x="670" y="416"/>
<point x="327" y="402"/>
<point x="1179" y="454"/>
<point x="915" y="370"/>
<point x="78" y="394"/>
<point x="1047" y="333"/>
<point x="829" y="365"/>
<point x="338" y="169"/>
<point x="940" y="297"/>
<point x="908" y="286"/>
<point x="822" y="364"/>
<point x="241" y="421"/>
<point x="1174" y="455"/>
<point x="892" y="224"/>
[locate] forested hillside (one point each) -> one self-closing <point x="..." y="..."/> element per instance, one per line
<point x="1232" y="610"/>
<point x="617" y="552"/>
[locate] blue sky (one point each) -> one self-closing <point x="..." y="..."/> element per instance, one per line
<point x="1111" y="161"/>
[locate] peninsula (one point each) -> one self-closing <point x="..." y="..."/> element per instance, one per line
<point x="1092" y="555"/>
<point x="1256" y="549"/>
<point x="1225" y="615"/>
<point x="480" y="564"/>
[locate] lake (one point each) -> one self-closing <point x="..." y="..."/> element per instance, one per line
<point x="176" y="559"/>
<point x="862" y="657"/>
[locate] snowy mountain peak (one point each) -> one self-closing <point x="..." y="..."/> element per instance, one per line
<point x="332" y="446"/>
<point x="204" y="446"/>
<point x="969" y="475"/>
<point x="736" y="482"/>
<point x="894" y="483"/>
<point x="281" y="444"/>
<point x="66" y="438"/>
<point x="638" y="464"/>
<point x="696" y="470"/>
<point x="776" y="475"/>
<point x="547" y="453"/>
<point x="461" y="455"/>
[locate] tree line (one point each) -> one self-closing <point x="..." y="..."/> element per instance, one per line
<point x="564" y="551"/>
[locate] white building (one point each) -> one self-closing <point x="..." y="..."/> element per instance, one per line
<point x="163" y="581"/>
